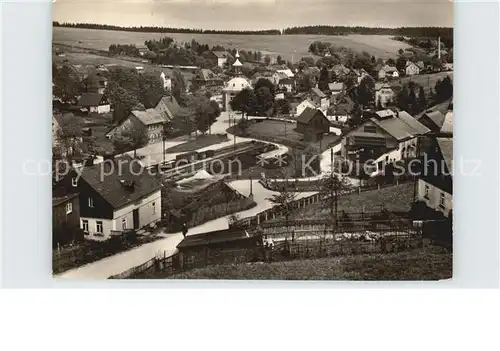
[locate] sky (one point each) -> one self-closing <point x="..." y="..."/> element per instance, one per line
<point x="255" y="14"/>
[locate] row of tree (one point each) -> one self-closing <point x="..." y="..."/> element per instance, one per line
<point x="129" y="50"/>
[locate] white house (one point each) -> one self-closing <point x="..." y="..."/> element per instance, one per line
<point x="412" y="69"/>
<point x="232" y="88"/>
<point x="435" y="185"/>
<point x="298" y="108"/>
<point x="166" y="81"/>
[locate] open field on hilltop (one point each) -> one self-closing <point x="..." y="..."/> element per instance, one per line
<point x="393" y="198"/>
<point x="284" y="45"/>
<point x="422" y="264"/>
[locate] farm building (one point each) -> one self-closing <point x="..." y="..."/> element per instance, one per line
<point x="150" y="119"/>
<point x="313" y="124"/>
<point x="95" y="103"/>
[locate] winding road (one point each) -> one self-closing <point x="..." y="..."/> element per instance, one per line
<point x="121" y="262"/>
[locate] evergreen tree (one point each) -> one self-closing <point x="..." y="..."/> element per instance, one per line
<point x="323" y="79"/>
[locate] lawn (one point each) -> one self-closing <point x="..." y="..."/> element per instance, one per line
<point x="285" y="45"/>
<point x="395" y="198"/>
<point x="422" y="264"/>
<point x="200" y="142"/>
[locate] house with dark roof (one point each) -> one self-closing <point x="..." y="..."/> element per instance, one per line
<point x="388" y="137"/>
<point x="116" y="195"/>
<point x="65" y="218"/>
<point x="286" y="84"/>
<point x="435" y="185"/>
<point x="206" y="78"/>
<point x="219" y="58"/>
<point x="143" y="49"/>
<point x="313" y="124"/>
<point x="439" y="121"/>
<point x="95" y="102"/>
<point x="150" y="119"/>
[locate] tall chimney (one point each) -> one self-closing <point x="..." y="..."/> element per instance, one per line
<point x="439" y="48"/>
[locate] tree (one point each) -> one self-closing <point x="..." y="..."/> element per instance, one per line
<point x="422" y="101"/>
<point x="66" y="82"/>
<point x="267" y="59"/>
<point x="282" y="106"/>
<point x="401" y="52"/>
<point x="305" y="83"/>
<point x="68" y="137"/>
<point x="443" y="89"/>
<point x="132" y="138"/>
<point x="263" y="82"/>
<point x="265" y="100"/>
<point x="308" y="60"/>
<point x="366" y="90"/>
<point x="245" y="102"/>
<point x="179" y="87"/>
<point x="279" y="60"/>
<point x="390" y="62"/>
<point x="284" y="202"/>
<point x="205" y="113"/>
<point x="150" y="90"/>
<point x="402" y="98"/>
<point x="412" y="102"/>
<point x="331" y="186"/>
<point x="323" y="79"/>
<point x="401" y="63"/>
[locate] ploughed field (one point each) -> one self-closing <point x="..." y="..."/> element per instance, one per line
<point x="285" y="45"/>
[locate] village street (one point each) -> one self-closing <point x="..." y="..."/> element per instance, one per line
<point x="119" y="263"/>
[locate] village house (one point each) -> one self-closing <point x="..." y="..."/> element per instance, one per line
<point x="413" y="68"/>
<point x="437" y="121"/>
<point x="341" y="108"/>
<point x="95" y="103"/>
<point x="166" y="81"/>
<point x="114" y="196"/>
<point x="340" y="71"/>
<point x="386" y="138"/>
<point x="336" y="88"/>
<point x="435" y="185"/>
<point x="288" y="72"/>
<point x="149" y="119"/>
<point x="359" y="74"/>
<point x="168" y="108"/>
<point x="232" y="88"/>
<point x="319" y="99"/>
<point x="65" y="218"/>
<point x="383" y="94"/>
<point x="388" y="72"/>
<point x="143" y="49"/>
<point x="286" y="84"/>
<point x="277" y="76"/>
<point x="296" y="108"/>
<point x="219" y="58"/>
<point x="313" y="124"/>
<point x="206" y="78"/>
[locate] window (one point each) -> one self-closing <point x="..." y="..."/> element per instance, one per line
<point x="85" y="225"/>
<point x="98" y="227"/>
<point x="441" y="200"/>
<point x="124" y="223"/>
<point x="427" y="188"/>
<point x="370" y="129"/>
<point x="91" y="202"/>
<point x="74" y="182"/>
<point x="154" y="207"/>
<point x="69" y="208"/>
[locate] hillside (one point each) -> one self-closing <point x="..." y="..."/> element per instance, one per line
<point x="428" y="264"/>
<point x="288" y="46"/>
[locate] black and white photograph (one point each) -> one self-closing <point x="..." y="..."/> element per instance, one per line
<point x="252" y="140"/>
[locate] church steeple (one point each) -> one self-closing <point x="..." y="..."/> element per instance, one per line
<point x="237" y="64"/>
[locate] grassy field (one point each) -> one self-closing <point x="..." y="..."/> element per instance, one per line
<point x="286" y="45"/>
<point x="394" y="198"/>
<point x="422" y="264"/>
<point x="427" y="81"/>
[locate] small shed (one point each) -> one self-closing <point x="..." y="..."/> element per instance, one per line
<point x="313" y="124"/>
<point x="217" y="247"/>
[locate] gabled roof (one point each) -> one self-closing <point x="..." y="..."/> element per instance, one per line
<point x="379" y="86"/>
<point x="222" y="54"/>
<point x="308" y="114"/>
<point x="286" y="81"/>
<point x="111" y="184"/>
<point x="318" y="92"/>
<point x="389" y="69"/>
<point x="206" y="74"/>
<point x="446" y="148"/>
<point x="420" y="64"/>
<point x="447" y="126"/>
<point x="90" y="99"/>
<point x="168" y="105"/>
<point x="288" y="72"/>
<point x="402" y="127"/>
<point x="148" y="117"/>
<point x="436" y="117"/>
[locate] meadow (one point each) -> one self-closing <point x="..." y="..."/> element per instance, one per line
<point x="290" y="47"/>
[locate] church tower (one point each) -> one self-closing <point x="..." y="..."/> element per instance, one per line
<point x="237" y="64"/>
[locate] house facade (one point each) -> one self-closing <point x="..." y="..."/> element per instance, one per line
<point x="65" y="212"/>
<point x="115" y="196"/>
<point x="286" y="84"/>
<point x="95" y="103"/>
<point x="435" y="185"/>
<point x="150" y="119"/>
<point x="298" y="108"/>
<point x="388" y="72"/>
<point x="313" y="124"/>
<point x="412" y="69"/>
<point x="319" y="99"/>
<point x="384" y="94"/>
<point x="219" y="58"/>
<point x="232" y="88"/>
